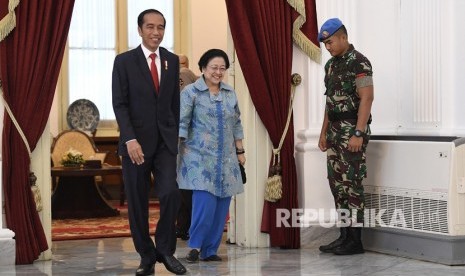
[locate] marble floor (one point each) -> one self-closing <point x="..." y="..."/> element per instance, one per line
<point x="116" y="256"/>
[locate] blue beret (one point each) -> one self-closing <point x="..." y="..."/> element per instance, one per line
<point x="329" y="28"/>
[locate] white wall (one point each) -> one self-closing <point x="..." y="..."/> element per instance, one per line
<point x="209" y="29"/>
<point x="415" y="49"/>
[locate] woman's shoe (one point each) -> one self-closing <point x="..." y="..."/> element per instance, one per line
<point x="192" y="256"/>
<point x="212" y="258"/>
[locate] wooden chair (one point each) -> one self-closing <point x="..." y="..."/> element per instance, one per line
<point x="77" y="140"/>
<point x="81" y="142"/>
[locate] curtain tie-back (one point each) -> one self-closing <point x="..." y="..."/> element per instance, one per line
<point x="32" y="177"/>
<point x="13" y="119"/>
<point x="273" y="187"/>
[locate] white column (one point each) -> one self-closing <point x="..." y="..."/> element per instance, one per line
<point x="249" y="205"/>
<point x="309" y="105"/>
<point x="314" y="192"/>
<point x="7" y="243"/>
<point x="41" y="170"/>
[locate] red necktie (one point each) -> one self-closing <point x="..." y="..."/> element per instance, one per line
<point x="154" y="71"/>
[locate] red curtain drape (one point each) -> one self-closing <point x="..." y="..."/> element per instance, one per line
<point x="262" y="35"/>
<point x="31" y="59"/>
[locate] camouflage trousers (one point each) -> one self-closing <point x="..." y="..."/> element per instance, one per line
<point x="346" y="171"/>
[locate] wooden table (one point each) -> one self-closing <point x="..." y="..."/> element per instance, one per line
<point x="78" y="196"/>
<point x="109" y="144"/>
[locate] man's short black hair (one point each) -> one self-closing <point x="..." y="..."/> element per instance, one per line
<point x="140" y="18"/>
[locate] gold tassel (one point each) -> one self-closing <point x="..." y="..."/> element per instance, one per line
<point x="35" y="191"/>
<point x="273" y="188"/>
<point x="274" y="185"/>
<point x="37" y="198"/>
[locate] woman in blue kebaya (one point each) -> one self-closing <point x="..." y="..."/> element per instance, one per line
<point x="210" y="151"/>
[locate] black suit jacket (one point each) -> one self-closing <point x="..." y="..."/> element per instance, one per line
<point x="140" y="113"/>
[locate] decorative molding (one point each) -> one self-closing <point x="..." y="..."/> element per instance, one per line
<point x="426" y="39"/>
<point x="8" y="23"/>
<point x="6" y="234"/>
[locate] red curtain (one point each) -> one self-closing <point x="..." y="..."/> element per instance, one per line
<point x="31" y="58"/>
<point x="262" y="35"/>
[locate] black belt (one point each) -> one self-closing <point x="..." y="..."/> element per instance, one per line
<point x="347" y="115"/>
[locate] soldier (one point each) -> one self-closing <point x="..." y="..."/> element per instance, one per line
<point x="346" y="130"/>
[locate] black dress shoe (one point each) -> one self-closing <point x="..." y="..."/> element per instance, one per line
<point x="172" y="264"/>
<point x="147" y="269"/>
<point x="193" y="256"/>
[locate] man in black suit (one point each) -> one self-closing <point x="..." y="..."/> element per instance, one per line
<point x="146" y="104"/>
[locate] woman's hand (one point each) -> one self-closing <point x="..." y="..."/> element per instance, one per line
<point x="241" y="158"/>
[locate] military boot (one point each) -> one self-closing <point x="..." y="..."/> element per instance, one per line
<point x="353" y="243"/>
<point x="338" y="242"/>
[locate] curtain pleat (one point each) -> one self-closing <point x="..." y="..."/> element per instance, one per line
<point x="262" y="35"/>
<point x="31" y="59"/>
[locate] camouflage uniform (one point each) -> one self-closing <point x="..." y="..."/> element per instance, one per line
<point x="346" y="169"/>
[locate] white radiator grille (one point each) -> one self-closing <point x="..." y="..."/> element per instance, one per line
<point x="424" y="211"/>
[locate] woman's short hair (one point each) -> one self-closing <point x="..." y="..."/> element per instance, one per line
<point x="211" y="54"/>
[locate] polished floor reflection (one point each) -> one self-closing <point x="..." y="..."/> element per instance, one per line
<point x="116" y="256"/>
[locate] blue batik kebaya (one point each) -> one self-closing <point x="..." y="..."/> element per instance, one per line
<point x="209" y="125"/>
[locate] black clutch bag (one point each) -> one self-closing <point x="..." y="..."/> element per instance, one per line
<point x="244" y="176"/>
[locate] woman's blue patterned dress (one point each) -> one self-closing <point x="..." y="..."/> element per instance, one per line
<point x="208" y="127"/>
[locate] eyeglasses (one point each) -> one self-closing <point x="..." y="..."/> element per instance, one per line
<point x="216" y="68"/>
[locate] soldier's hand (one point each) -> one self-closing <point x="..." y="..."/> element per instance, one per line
<point x="322" y="143"/>
<point x="355" y="144"/>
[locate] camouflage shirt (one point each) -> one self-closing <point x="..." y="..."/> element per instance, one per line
<point x="342" y="77"/>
